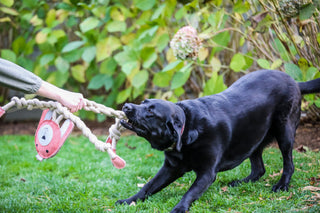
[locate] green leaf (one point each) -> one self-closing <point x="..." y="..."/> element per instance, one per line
<point x="281" y="49"/>
<point x="237" y="62"/>
<point x="72" y="46"/>
<point x="311" y="73"/>
<point x="215" y="64"/>
<point x="108" y="66"/>
<point x="241" y="7"/>
<point x="162" y="79"/>
<point x="276" y="64"/>
<point x="58" y="78"/>
<point x="306" y="12"/>
<point x="89" y="24"/>
<point x="62" y="64"/>
<point x="263" y="63"/>
<point x="74" y="55"/>
<point x="106" y="46"/>
<point x="163" y="42"/>
<point x="99" y="81"/>
<point x="78" y="72"/>
<point x="158" y="12"/>
<point x="214" y="85"/>
<point x="123" y="95"/>
<point x="222" y="40"/>
<point x="128" y="55"/>
<point x="7" y="3"/>
<point x="294" y="71"/>
<point x="9" y="11"/>
<point x="317" y="103"/>
<point x="140" y="79"/>
<point x="149" y="56"/>
<point x="46" y="59"/>
<point x="172" y="66"/>
<point x="149" y="32"/>
<point x="181" y="77"/>
<point x="144" y="4"/>
<point x="89" y="54"/>
<point x="51" y="18"/>
<point x="128" y="67"/>
<point x="116" y="26"/>
<point x="8" y="55"/>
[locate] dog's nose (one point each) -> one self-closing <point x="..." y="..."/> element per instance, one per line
<point x="127" y="108"/>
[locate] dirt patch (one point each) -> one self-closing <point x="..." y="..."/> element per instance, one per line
<point x="308" y="134"/>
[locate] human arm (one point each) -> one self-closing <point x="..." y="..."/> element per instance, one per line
<point x="18" y="78"/>
<point x="73" y="101"/>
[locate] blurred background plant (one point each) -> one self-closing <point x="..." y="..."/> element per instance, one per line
<point x="115" y="51"/>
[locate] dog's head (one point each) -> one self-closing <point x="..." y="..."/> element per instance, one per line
<point x="160" y="122"/>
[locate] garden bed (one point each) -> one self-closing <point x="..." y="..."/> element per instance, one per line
<point x="308" y="134"/>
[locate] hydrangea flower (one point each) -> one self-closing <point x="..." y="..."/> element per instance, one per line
<point x="290" y="8"/>
<point x="186" y="43"/>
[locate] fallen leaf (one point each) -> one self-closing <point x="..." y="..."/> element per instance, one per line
<point x="290" y="196"/>
<point x="301" y="148"/>
<point x="149" y="155"/>
<point x="140" y="185"/>
<point x="132" y="203"/>
<point x="130" y="147"/>
<point x="276" y="174"/>
<point x="224" y="189"/>
<point x="311" y="188"/>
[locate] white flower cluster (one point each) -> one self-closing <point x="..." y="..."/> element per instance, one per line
<point x="186" y="44"/>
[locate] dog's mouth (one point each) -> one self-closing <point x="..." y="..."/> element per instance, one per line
<point x="131" y="125"/>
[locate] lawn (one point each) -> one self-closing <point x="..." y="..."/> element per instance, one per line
<point x="81" y="179"/>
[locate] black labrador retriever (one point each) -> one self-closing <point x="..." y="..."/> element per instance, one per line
<point x="218" y="132"/>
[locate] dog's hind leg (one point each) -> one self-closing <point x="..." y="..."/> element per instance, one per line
<point x="257" y="168"/>
<point x="285" y="138"/>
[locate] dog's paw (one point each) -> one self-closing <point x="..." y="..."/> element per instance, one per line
<point x="280" y="187"/>
<point x="235" y="183"/>
<point x="179" y="209"/>
<point x="125" y="202"/>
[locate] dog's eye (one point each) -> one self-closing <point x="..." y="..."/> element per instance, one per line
<point x="150" y="110"/>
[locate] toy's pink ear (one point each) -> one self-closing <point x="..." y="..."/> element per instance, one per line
<point x="118" y="162"/>
<point x="2" y="111"/>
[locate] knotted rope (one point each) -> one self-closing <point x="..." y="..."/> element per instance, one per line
<point x="57" y="108"/>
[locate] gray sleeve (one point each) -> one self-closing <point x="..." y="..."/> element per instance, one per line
<point x="18" y="78"/>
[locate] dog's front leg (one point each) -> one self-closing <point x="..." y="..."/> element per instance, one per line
<point x="200" y="185"/>
<point x="163" y="178"/>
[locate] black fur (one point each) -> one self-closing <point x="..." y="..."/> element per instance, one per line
<point x="216" y="133"/>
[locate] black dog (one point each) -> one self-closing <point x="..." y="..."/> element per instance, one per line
<point x="218" y="132"/>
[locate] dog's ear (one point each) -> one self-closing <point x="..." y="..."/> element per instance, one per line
<point x="192" y="136"/>
<point x="175" y="125"/>
<point x="175" y="132"/>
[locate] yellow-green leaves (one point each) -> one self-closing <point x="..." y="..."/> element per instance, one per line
<point x="106" y="46"/>
<point x="89" y="24"/>
<point x="7" y="3"/>
<point x="144" y="4"/>
<point x="79" y="72"/>
<point x="237" y="62"/>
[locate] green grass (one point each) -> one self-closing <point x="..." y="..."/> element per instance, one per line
<point x="81" y="179"/>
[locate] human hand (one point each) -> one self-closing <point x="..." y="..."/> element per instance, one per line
<point x="73" y="101"/>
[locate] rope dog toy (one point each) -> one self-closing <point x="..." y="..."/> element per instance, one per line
<point x="50" y="136"/>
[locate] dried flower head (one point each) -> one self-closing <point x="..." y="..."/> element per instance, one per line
<point x="290" y="8"/>
<point x="186" y="43"/>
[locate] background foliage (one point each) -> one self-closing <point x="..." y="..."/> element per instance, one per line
<point x="115" y="51"/>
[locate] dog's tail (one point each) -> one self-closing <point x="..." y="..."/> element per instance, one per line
<point x="308" y="87"/>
